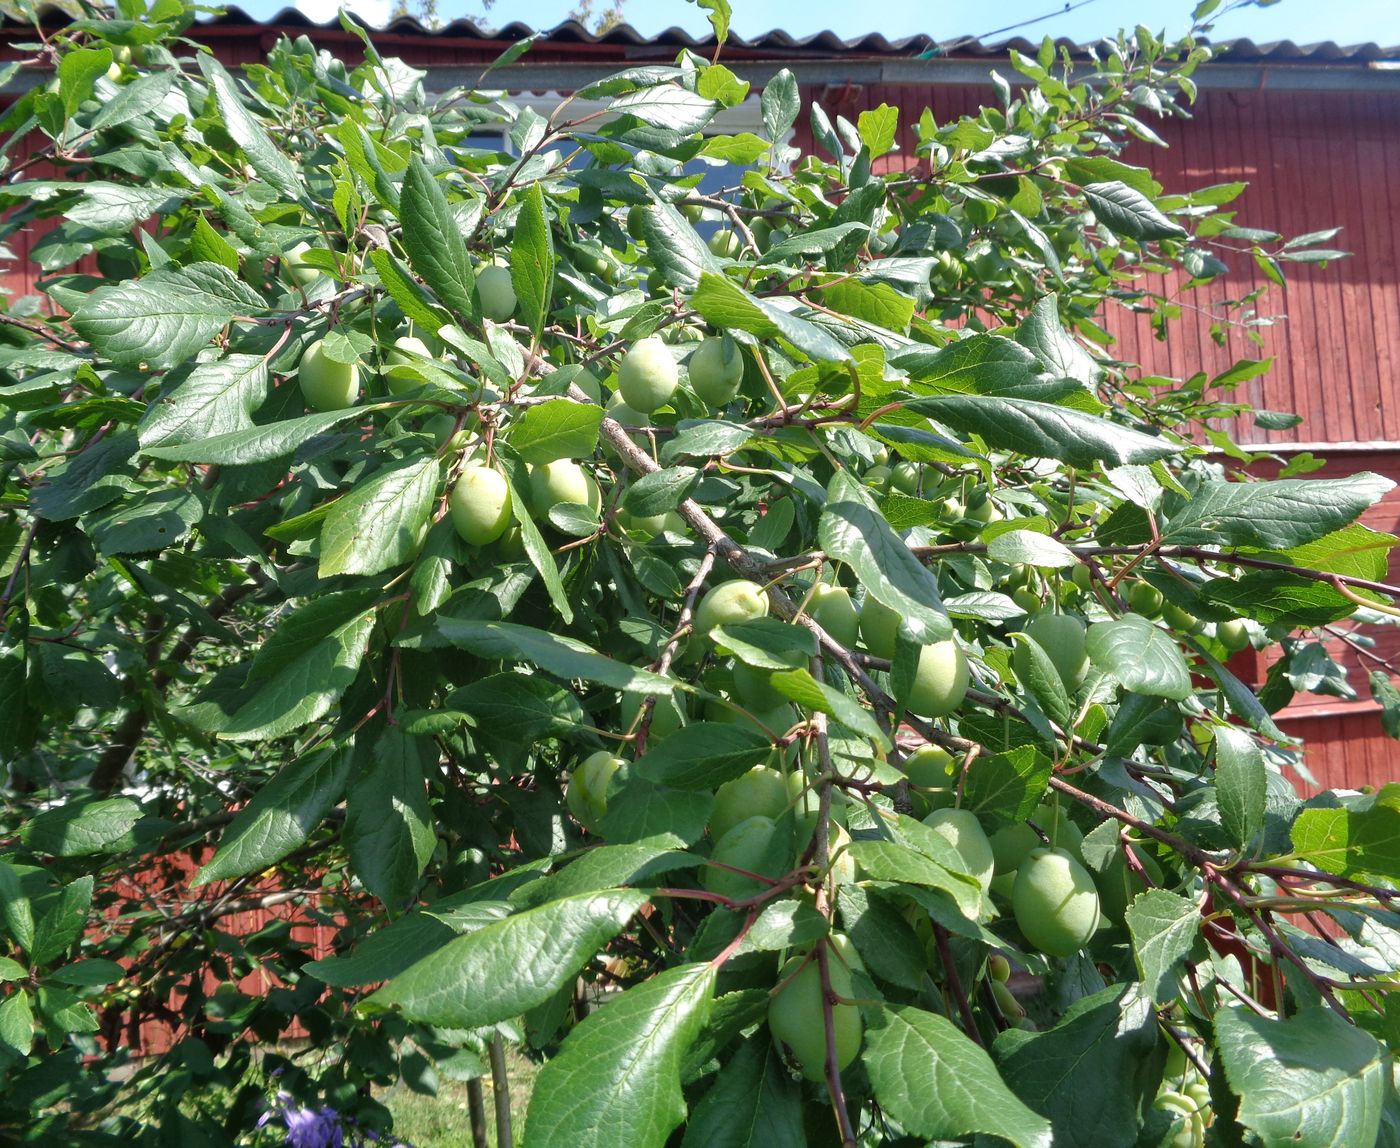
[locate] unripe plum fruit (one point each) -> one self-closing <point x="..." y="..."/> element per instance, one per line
<point x="753" y="688"/>
<point x="480" y="504"/>
<point x="647" y="375"/>
<point x="496" y="292"/>
<point x="716" y="370"/>
<point x="1055" y="903"/>
<point x="961" y="829"/>
<point x="729" y="602"/>
<point x="401" y="354"/>
<point x="756" y="845"/>
<point x="831" y="608"/>
<point x="1061" y="636"/>
<point x="762" y="792"/>
<point x="879" y="627"/>
<point x="1233" y="635"/>
<point x="303" y="274"/>
<point x="562" y="481"/>
<point x="325" y="384"/>
<point x="726" y="243"/>
<point x="667" y="715"/>
<point x="1145" y="599"/>
<point x="587" y="792"/>
<point x="796" y="1016"/>
<point x="940" y="680"/>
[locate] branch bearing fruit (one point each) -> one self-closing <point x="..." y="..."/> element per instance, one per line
<point x="762" y="792"/>
<point x="961" y="829"/>
<point x="1055" y="903"/>
<point x="729" y="602"/>
<point x="1062" y="637"/>
<point x="796" y="1016"/>
<point x="587" y="792"/>
<point x="480" y="504"/>
<point x="496" y="292"/>
<point x="716" y="370"/>
<point x="325" y="384"/>
<point x="647" y="375"/>
<point x="940" y="680"/>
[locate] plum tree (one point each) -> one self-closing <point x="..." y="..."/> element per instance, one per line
<point x="381" y="667"/>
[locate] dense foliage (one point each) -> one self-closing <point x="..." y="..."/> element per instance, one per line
<point x="757" y="652"/>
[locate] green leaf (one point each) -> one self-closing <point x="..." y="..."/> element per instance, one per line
<point x="781" y="103"/>
<point x="727" y="306"/>
<point x="1032" y="548"/>
<point x="388" y="824"/>
<point x="15" y="909"/>
<point x="113" y="208"/>
<point x="305" y="688"/>
<point x="620" y="1069"/>
<point x="677" y="251"/>
<point x="81" y="828"/>
<point x="851" y="530"/>
<point x="660" y="491"/>
<point x="1107" y="1038"/>
<point x="1241" y="784"/>
<point x="1312" y="1081"/>
<point x="78" y="70"/>
<point x="381" y="523"/>
<point x="165" y="318"/>
<point x="978" y="365"/>
<point x="257" y="444"/>
<point x="878" y="129"/>
<point x="264" y="156"/>
<point x="806" y="691"/>
<point x="1044" y="430"/>
<point x="531" y="707"/>
<point x="536" y="549"/>
<point x="1164" y="927"/>
<point x="638" y="809"/>
<point x="417" y="305"/>
<point x="1141" y="720"/>
<point x="142" y="95"/>
<point x="1039" y="677"/>
<point x="559" y="428"/>
<point x="1240" y="697"/>
<point x="1006" y="787"/>
<point x="562" y="656"/>
<point x="753" y="1103"/>
<point x="609" y="867"/>
<point x="1364" y="839"/>
<point x="436" y="248"/>
<point x="1354" y="550"/>
<point x="1143" y="657"/>
<point x="64" y="922"/>
<point x="1275" y="596"/>
<point x="1129" y="212"/>
<point x="881" y="934"/>
<point x="888" y="861"/>
<point x="281" y="815"/>
<point x="1274" y="515"/>
<point x="16" y="1023"/>
<point x="667" y="106"/>
<point x="703" y="755"/>
<point x="1042" y="333"/>
<point x="719" y="16"/>
<point x="532" y="262"/>
<point x="767" y="643"/>
<point x="940" y="1085"/>
<point x="509" y="967"/>
<point x="131" y="526"/>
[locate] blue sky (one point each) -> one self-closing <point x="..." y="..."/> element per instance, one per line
<point x="1305" y="21"/>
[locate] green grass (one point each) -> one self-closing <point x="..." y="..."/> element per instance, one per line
<point x="444" y="1121"/>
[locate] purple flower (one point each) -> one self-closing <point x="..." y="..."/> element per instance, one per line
<point x="310" y="1129"/>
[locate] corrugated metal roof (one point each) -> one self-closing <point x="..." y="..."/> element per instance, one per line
<point x="827" y="42"/>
